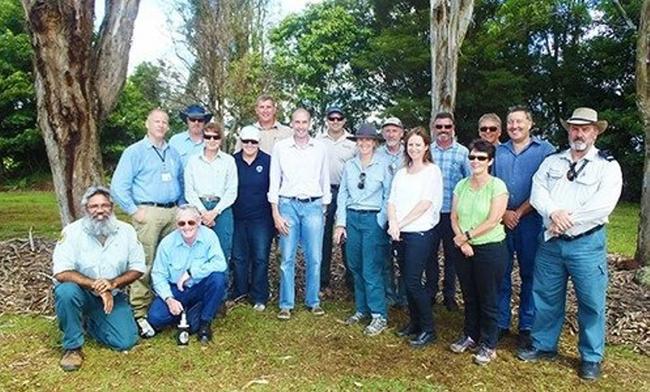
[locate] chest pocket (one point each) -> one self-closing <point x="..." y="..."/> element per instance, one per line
<point x="589" y="178"/>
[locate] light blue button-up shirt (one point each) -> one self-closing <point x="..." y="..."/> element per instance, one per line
<point x="174" y="256"/>
<point x="454" y="165"/>
<point x="185" y="146"/>
<point x="374" y="194"/>
<point x="205" y="178"/>
<point x="517" y="169"/>
<point x="393" y="161"/>
<point x="79" y="251"/>
<point x="147" y="174"/>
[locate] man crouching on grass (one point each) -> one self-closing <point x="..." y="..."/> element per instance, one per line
<point x="93" y="260"/>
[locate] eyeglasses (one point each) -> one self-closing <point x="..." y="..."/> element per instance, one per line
<point x="211" y="137"/>
<point x="488" y="129"/>
<point x="196" y="120"/>
<point x="572" y="173"/>
<point x="248" y="141"/>
<point x="362" y="181"/>
<point x="183" y="223"/>
<point x="335" y="119"/>
<point x="446" y="126"/>
<point x="481" y="158"/>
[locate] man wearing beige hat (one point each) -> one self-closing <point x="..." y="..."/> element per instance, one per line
<point x="574" y="191"/>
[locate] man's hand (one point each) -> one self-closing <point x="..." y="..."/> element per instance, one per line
<point x="174" y="306"/>
<point x="340" y="235"/>
<point x="139" y="215"/>
<point x="281" y="224"/>
<point x="107" y="299"/>
<point x="467" y="249"/>
<point x="555" y="230"/>
<point x="180" y="284"/>
<point x="511" y="219"/>
<point x="459" y="240"/>
<point x="561" y="219"/>
<point x="208" y="217"/>
<point x="101" y="285"/>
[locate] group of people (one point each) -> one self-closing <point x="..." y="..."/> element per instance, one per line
<point x="203" y="222"/>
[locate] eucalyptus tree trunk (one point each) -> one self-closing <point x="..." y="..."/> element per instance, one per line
<point x="449" y="22"/>
<point x="78" y="79"/>
<point x="643" y="102"/>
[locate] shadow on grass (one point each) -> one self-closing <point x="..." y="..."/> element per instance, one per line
<point x="256" y="351"/>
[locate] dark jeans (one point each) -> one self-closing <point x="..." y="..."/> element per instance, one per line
<point x="444" y="233"/>
<point x="326" y="261"/>
<point x="480" y="279"/>
<point x="415" y="252"/>
<point x="201" y="303"/>
<point x="250" y="259"/>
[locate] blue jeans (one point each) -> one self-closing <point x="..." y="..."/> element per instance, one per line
<point x="74" y="305"/>
<point x="584" y="260"/>
<point x="305" y="221"/>
<point x="523" y="241"/>
<point x="250" y="259"/>
<point x="443" y="233"/>
<point x="365" y="236"/>
<point x="201" y="303"/>
<point x="480" y="279"/>
<point x="415" y="254"/>
<point x="326" y="263"/>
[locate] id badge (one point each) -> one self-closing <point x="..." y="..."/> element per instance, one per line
<point x="166" y="176"/>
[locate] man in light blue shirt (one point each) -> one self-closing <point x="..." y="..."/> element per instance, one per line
<point x="191" y="142"/>
<point x="452" y="159"/>
<point x="516" y="162"/>
<point x="148" y="184"/>
<point x="93" y="260"/>
<point x="188" y="276"/>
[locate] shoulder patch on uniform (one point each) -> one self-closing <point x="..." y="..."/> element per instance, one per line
<point x="606" y="155"/>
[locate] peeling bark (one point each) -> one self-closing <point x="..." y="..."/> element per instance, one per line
<point x="643" y="102"/>
<point x="449" y="22"/>
<point x="77" y="83"/>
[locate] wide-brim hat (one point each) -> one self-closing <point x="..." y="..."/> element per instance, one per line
<point x="584" y="116"/>
<point x="196" y="112"/>
<point x="366" y="131"/>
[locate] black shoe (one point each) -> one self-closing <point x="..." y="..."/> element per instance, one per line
<point x="205" y="334"/>
<point x="423" y="339"/>
<point x="503" y="332"/>
<point x="524" y="341"/>
<point x="589" y="370"/>
<point x="408" y="331"/>
<point x="532" y="354"/>
<point x="450" y="304"/>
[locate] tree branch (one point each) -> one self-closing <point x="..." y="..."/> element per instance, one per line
<point x="630" y="24"/>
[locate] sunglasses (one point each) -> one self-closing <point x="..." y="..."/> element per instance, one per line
<point x="247" y="141"/>
<point x="183" y="223"/>
<point x="211" y="137"/>
<point x="446" y="126"/>
<point x="196" y="120"/>
<point x="362" y="181"/>
<point x="572" y="173"/>
<point x="481" y="158"/>
<point x="335" y="119"/>
<point x="488" y="129"/>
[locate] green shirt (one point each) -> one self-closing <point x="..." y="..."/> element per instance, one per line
<point x="473" y="208"/>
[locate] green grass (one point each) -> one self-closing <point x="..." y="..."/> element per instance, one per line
<point x="38" y="210"/>
<point x="259" y="352"/>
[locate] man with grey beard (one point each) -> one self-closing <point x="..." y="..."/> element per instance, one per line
<point x="94" y="259"/>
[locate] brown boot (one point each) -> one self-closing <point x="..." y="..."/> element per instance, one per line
<point x="71" y="360"/>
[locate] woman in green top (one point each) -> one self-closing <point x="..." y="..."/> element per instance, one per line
<point x="478" y="205"/>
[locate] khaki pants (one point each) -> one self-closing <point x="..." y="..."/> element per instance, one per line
<point x="158" y="222"/>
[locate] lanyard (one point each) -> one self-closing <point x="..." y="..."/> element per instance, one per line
<point x="162" y="157"/>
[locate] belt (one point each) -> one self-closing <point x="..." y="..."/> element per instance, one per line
<point x="565" y="237"/>
<point x="363" y="211"/>
<point x="303" y="200"/>
<point x="161" y="205"/>
<point x="206" y="199"/>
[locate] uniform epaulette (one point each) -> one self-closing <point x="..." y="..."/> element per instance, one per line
<point x="606" y="155"/>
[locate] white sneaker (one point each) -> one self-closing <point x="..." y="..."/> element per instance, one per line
<point x="146" y="330"/>
<point x="376" y="326"/>
<point x="259" y="307"/>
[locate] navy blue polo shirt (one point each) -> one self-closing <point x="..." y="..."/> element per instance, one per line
<point x="252" y="202"/>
